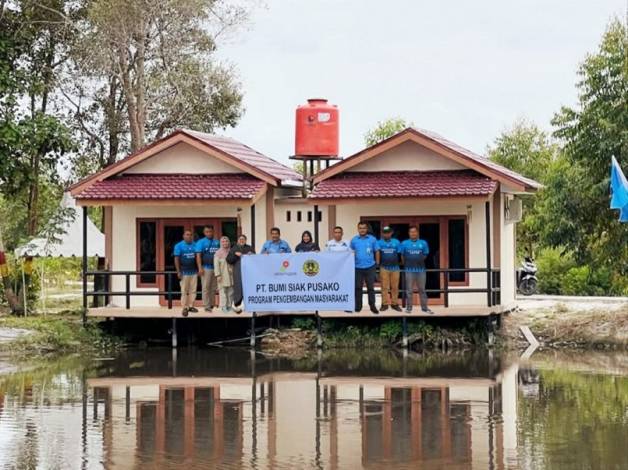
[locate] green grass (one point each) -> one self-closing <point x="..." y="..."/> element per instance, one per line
<point x="57" y="334"/>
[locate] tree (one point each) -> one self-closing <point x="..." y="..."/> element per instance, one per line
<point x="529" y="151"/>
<point x="154" y="61"/>
<point x="576" y="212"/>
<point x="385" y="129"/>
<point x="34" y="41"/>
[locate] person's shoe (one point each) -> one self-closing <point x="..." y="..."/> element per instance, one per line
<point x="237" y="309"/>
<point x="408" y="309"/>
<point x="225" y="310"/>
<point x="357" y="310"/>
<point x="348" y="311"/>
<point x="383" y="308"/>
<point x="374" y="310"/>
<point x="229" y="309"/>
<point x="208" y="309"/>
<point x="184" y="312"/>
<point x="427" y="310"/>
<point x="193" y="310"/>
<point x="396" y="308"/>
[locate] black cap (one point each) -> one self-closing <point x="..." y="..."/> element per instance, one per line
<point x="387" y="229"/>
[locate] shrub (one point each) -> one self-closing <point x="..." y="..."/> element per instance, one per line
<point x="553" y="264"/>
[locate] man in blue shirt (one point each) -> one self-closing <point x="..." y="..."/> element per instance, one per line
<point x="388" y="260"/>
<point x="413" y="254"/>
<point x="275" y="244"/>
<point x="205" y="249"/>
<point x="364" y="247"/>
<point x="185" y="264"/>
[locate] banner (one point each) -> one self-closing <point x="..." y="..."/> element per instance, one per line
<point x="298" y="282"/>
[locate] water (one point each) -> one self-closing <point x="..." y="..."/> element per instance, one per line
<point x="221" y="409"/>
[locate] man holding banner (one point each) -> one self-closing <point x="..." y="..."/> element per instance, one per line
<point x="364" y="246"/>
<point x="298" y="282"/>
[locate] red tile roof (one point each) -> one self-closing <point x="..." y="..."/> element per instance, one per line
<point x="174" y="186"/>
<point x="404" y="184"/>
<point x="248" y="155"/>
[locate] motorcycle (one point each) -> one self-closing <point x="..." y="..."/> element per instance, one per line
<point x="527" y="277"/>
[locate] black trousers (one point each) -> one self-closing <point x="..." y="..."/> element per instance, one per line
<point x="361" y="276"/>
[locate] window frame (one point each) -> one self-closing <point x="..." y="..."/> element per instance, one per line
<point x="138" y="264"/>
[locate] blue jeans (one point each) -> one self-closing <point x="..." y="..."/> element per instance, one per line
<point x="415" y="279"/>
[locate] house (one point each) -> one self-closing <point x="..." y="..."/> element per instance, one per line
<point x="465" y="206"/>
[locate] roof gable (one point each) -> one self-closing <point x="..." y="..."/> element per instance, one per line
<point x="226" y="150"/>
<point x="440" y="146"/>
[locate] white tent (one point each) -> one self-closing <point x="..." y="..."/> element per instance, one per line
<point x="70" y="241"/>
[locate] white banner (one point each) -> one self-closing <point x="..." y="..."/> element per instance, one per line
<point x="299" y="282"/>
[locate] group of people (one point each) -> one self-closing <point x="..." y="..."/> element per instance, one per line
<point x="217" y="264"/>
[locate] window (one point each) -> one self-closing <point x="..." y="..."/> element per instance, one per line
<point x="288" y="216"/>
<point x="147" y="251"/>
<point x="309" y="216"/>
<point x="457" y="250"/>
<point x="298" y="216"/>
<point x="319" y="214"/>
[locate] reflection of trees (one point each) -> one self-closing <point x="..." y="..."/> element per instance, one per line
<point x="577" y="421"/>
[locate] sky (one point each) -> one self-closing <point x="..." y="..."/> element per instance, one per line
<point x="464" y="69"/>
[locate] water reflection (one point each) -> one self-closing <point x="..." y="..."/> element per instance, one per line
<point x="230" y="409"/>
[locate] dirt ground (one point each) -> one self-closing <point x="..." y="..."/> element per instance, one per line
<point x="570" y="323"/>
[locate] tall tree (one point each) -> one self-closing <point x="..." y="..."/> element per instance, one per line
<point x="35" y="37"/>
<point x="155" y="61"/>
<point x="576" y="207"/>
<point x="529" y="151"/>
<point x="385" y="129"/>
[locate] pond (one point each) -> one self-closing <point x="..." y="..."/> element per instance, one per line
<point x="198" y="408"/>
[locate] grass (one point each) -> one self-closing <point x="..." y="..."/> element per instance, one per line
<point x="56" y="334"/>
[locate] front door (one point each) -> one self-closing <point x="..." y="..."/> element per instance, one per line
<point x="172" y="233"/>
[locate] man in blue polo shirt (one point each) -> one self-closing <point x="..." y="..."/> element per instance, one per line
<point x="205" y="249"/>
<point x="365" y="247"/>
<point x="413" y="254"/>
<point x="275" y="244"/>
<point x="388" y="260"/>
<point x="185" y="264"/>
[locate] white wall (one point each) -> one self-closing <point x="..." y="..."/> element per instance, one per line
<point x="508" y="259"/>
<point x="182" y="158"/>
<point x="408" y="156"/>
<point x="124" y="236"/>
<point x="291" y="231"/>
<point x="348" y="215"/>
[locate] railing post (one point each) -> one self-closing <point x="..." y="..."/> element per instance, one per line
<point x="446" y="287"/>
<point x="169" y="287"/>
<point x="127" y="283"/>
<point x="84" y="265"/>
<point x="487" y="217"/>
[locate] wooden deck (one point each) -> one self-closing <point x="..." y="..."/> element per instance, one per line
<point x="163" y="312"/>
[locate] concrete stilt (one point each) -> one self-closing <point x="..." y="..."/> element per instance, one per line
<point x="319" y="331"/>
<point x="252" y="338"/>
<point x="174" y="333"/>
<point x="404" y="327"/>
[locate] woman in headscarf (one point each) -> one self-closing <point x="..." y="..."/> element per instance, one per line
<point x="234" y="258"/>
<point x="224" y="274"/>
<point x="307" y="243"/>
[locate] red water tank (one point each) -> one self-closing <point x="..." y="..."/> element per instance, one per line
<point x="316" y="129"/>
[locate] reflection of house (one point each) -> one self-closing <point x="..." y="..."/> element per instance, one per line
<point x="303" y="420"/>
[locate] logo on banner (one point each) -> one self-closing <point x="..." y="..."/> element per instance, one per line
<point x="284" y="265"/>
<point x="311" y="267"/>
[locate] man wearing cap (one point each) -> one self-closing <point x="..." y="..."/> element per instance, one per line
<point x="365" y="246"/>
<point x="388" y="260"/>
<point x="413" y="254"/>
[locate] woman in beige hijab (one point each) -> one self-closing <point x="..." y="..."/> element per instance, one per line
<point x="224" y="275"/>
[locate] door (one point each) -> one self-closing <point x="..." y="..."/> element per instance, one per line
<point x="172" y="233"/>
<point x="430" y="232"/>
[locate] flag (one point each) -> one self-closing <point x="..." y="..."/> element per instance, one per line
<point x="619" y="190"/>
